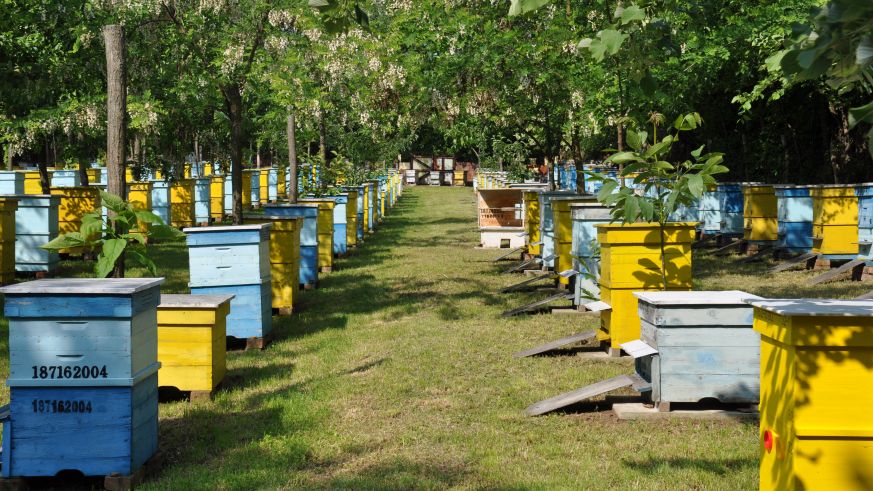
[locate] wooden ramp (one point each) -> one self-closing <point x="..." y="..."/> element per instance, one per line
<point x="866" y="296"/>
<point x="526" y="283"/>
<point x="523" y="265"/>
<point x="723" y="251"/>
<point x="803" y="259"/>
<point x="587" y="392"/>
<point x="757" y="256"/>
<point x="835" y="274"/>
<point x="707" y="238"/>
<point x="537" y="304"/>
<point x="517" y="250"/>
<point x="545" y="348"/>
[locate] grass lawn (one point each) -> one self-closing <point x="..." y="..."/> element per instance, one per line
<point x="398" y="374"/>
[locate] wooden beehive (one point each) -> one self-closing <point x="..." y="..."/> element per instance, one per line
<point x="67" y="178"/>
<point x="709" y="210"/>
<point x="815" y="429"/>
<point x="284" y="258"/>
<point x="760" y="218"/>
<point x="161" y="199"/>
<point x="325" y="234"/>
<point x="139" y="195"/>
<point x="216" y="197"/>
<point x="202" y="200"/>
<point x="731" y="206"/>
<point x="352" y="217"/>
<point x="704" y="343"/>
<point x="36" y="224"/>
<point x="32" y="184"/>
<point x="272" y="184"/>
<point x="563" y="223"/>
<point x="835" y="221"/>
<point x="234" y="260"/>
<point x="75" y="203"/>
<point x="340" y="221"/>
<point x="532" y="221"/>
<point x="368" y="207"/>
<point x="547" y="224"/>
<point x="192" y="330"/>
<point x="251" y="188"/>
<point x="8" y="207"/>
<point x="281" y="183"/>
<point x="182" y="203"/>
<point x="263" y="186"/>
<point x="12" y="182"/>
<point x="362" y="211"/>
<point x="794" y="205"/>
<point x="83" y="363"/>
<point x="630" y="261"/>
<point x="586" y="249"/>
<point x="308" y="266"/>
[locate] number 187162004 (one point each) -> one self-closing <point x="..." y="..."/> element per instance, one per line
<point x="69" y="372"/>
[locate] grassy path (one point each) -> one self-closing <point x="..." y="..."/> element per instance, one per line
<point x="397" y="374"/>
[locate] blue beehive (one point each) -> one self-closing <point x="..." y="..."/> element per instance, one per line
<point x="547" y="224"/>
<point x="273" y="184"/>
<point x="865" y="221"/>
<point x="202" y="197"/>
<point x="586" y="251"/>
<point x="255" y="178"/>
<point x="65" y="178"/>
<point x="83" y="376"/>
<point x="11" y="182"/>
<point x="794" y="214"/>
<point x="709" y="211"/>
<point x="731" y="206"/>
<point x="228" y="194"/>
<point x="161" y="199"/>
<point x="360" y="208"/>
<point x="340" y="222"/>
<point x="235" y="260"/>
<point x="36" y="223"/>
<point x="308" y="238"/>
<point x="371" y="205"/>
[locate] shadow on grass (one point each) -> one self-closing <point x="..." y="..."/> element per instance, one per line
<point x="719" y="467"/>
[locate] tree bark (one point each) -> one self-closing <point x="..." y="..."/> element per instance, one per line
<point x="234" y="103"/>
<point x="44" y="179"/>
<point x="322" y="136"/>
<point x="841" y="142"/>
<point x="8" y="156"/>
<point x="83" y="173"/>
<point x="292" y="157"/>
<point x="116" y="115"/>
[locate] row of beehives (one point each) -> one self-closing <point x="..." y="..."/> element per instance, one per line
<point x="807" y="361"/>
<point x="87" y="356"/>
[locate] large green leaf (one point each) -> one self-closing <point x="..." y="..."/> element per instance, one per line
<point x="632" y="14"/>
<point x="519" y="7"/>
<point x="861" y="114"/>
<point x="109" y="253"/>
<point x="695" y="185"/>
<point x="143" y="260"/>
<point x="113" y="202"/>
<point x="65" y="241"/>
<point x="612" y="40"/>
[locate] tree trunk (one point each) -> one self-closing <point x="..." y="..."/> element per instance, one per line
<point x="44" y="179"/>
<point x="841" y="141"/>
<point x="551" y="172"/>
<point x="116" y="115"/>
<point x="234" y="103"/>
<point x="292" y="157"/>
<point x="83" y="173"/>
<point x="578" y="157"/>
<point x="8" y="156"/>
<point x="322" y="136"/>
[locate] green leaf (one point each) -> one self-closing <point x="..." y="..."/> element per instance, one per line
<point x="647" y="209"/>
<point x="519" y="7"/>
<point x="633" y="140"/>
<point x="606" y="190"/>
<point x="624" y="157"/>
<point x="112" y="202"/>
<point x="697" y="153"/>
<point x="632" y="14"/>
<point x="695" y="185"/>
<point x="631" y="209"/>
<point x="861" y="114"/>
<point x="110" y="252"/>
<point x="165" y="232"/>
<point x="144" y="261"/>
<point x="65" y="241"/>
<point x="612" y="40"/>
<point x="148" y="217"/>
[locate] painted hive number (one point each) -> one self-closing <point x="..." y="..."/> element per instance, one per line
<point x="60" y="406"/>
<point x="68" y="372"/>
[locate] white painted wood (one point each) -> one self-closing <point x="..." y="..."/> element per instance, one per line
<point x="84" y="286"/>
<point x="171" y="301"/>
<point x="638" y="349"/>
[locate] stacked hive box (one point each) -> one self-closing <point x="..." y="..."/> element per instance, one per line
<point x="75" y="203"/>
<point x="31" y="182"/>
<point x="547" y="224"/>
<point x="760" y="217"/>
<point x="704" y="347"/>
<point x="586" y="249"/>
<point x="563" y="224"/>
<point x="308" y="265"/>
<point x="235" y="261"/>
<point x="795" y="218"/>
<point x="369" y="209"/>
<point x="730" y="197"/>
<point x="339" y="220"/>
<point x="263" y="186"/>
<point x="216" y="198"/>
<point x="630" y="261"/>
<point x="865" y="221"/>
<point x="709" y="212"/>
<point x="835" y="222"/>
<point x="281" y="183"/>
<point x="66" y="178"/>
<point x="202" y="200"/>
<point x="161" y="199"/>
<point x="36" y="224"/>
<point x="139" y="195"/>
<point x="11" y="182"/>
<point x="325" y="234"/>
<point x="362" y="210"/>
<point x="192" y="332"/>
<point x="8" y="206"/>
<point x="352" y="217"/>
<point x="251" y="188"/>
<point x="816" y="431"/>
<point x="272" y="184"/>
<point x="182" y="203"/>
<point x="284" y="258"/>
<point x="532" y="221"/>
<point x="83" y="376"/>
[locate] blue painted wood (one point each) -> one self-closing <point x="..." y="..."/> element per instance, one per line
<point x="256" y="187"/>
<point x="36" y="223"/>
<point x="340" y="240"/>
<point x="273" y="184"/>
<point x="234" y="255"/>
<point x="118" y="435"/>
<point x="309" y="265"/>
<point x="202" y="196"/>
<point x="710" y="211"/>
<point x="586" y="249"/>
<point x="228" y="194"/>
<point x="371" y="206"/>
<point x="794" y="214"/>
<point x="11" y="182"/>
<point x="547" y="225"/>
<point x="161" y="199"/>
<point x="65" y="178"/>
<point x="865" y="221"/>
<point x="706" y="346"/>
<point x="309" y="212"/>
<point x="250" y="310"/>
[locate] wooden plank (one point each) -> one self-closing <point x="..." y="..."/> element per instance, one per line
<point x="517" y="250"/>
<point x="579" y="395"/>
<point x="538" y="303"/>
<point x="523" y="265"/>
<point x="835" y="274"/>
<point x="866" y="296"/>
<point x="530" y="281"/>
<point x="792" y="263"/>
<point x="704" y="240"/>
<point x="629" y="411"/>
<point x="725" y="249"/>
<point x="764" y="250"/>
<point x="553" y="345"/>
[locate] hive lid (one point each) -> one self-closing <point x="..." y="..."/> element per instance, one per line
<point x="816" y="307"/>
<point x="709" y="298"/>
<point x="193" y="301"/>
<point x="84" y="286"/>
<point x="227" y="228"/>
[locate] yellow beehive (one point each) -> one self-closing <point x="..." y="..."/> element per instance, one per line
<point x="459" y="178"/>
<point x="630" y="260"/>
<point x="128" y="175"/>
<point x="760" y="217"/>
<point x="207" y="169"/>
<point x="325" y="233"/>
<point x="32" y="184"/>
<point x="182" y="203"/>
<point x="186" y="171"/>
<point x="8" y="206"/>
<point x="366" y="204"/>
<point x="816" y="431"/>
<point x="247" y="188"/>
<point x="352" y="218"/>
<point x="192" y="341"/>
<point x="532" y="221"/>
<point x="75" y="203"/>
<point x="280" y="187"/>
<point x="216" y="197"/>
<point x="381" y="201"/>
<point x="563" y="223"/>
<point x="284" y="259"/>
<point x="835" y="221"/>
<point x="93" y="176"/>
<point x="264" y="180"/>
<point x="139" y="195"/>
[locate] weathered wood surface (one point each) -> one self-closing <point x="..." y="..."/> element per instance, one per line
<point x="582" y="337"/>
<point x="835" y="274"/>
<point x="790" y="307"/>
<point x="524" y="265"/>
<point x="83" y="286"/>
<point x="539" y="303"/>
<point x="587" y="392"/>
<point x="724" y="250"/>
<point x="526" y="283"/>
<point x="183" y="301"/>
<point x="251" y="311"/>
<point x="517" y="250"/>
<point x="807" y="260"/>
<point x="758" y="255"/>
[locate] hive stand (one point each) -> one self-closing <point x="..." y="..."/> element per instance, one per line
<point x="855" y="268"/>
<point x="526" y="265"/>
<point x="704" y="239"/>
<point x="725" y="250"/>
<point x="806" y="260"/>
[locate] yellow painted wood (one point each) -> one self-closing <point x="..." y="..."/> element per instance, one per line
<point x="182" y="203"/>
<point x="128" y="175"/>
<point x="247" y="188"/>
<point x="760" y="213"/>
<point x="816" y="399"/>
<point x="75" y="203"/>
<point x="382" y="202"/>
<point x="352" y="219"/>
<point x="186" y="171"/>
<point x="563" y="224"/>
<point x="366" y="205"/>
<point x="93" y="176"/>
<point x="31" y="182"/>
<point x="284" y="258"/>
<point x="282" y="189"/>
<point x="325" y="231"/>
<point x="216" y="197"/>
<point x="7" y="239"/>
<point x="264" y="188"/>
<point x="532" y="221"/>
<point x="834" y="220"/>
<point x="631" y="261"/>
<point x="139" y="195"/>
<point x="191" y="347"/>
